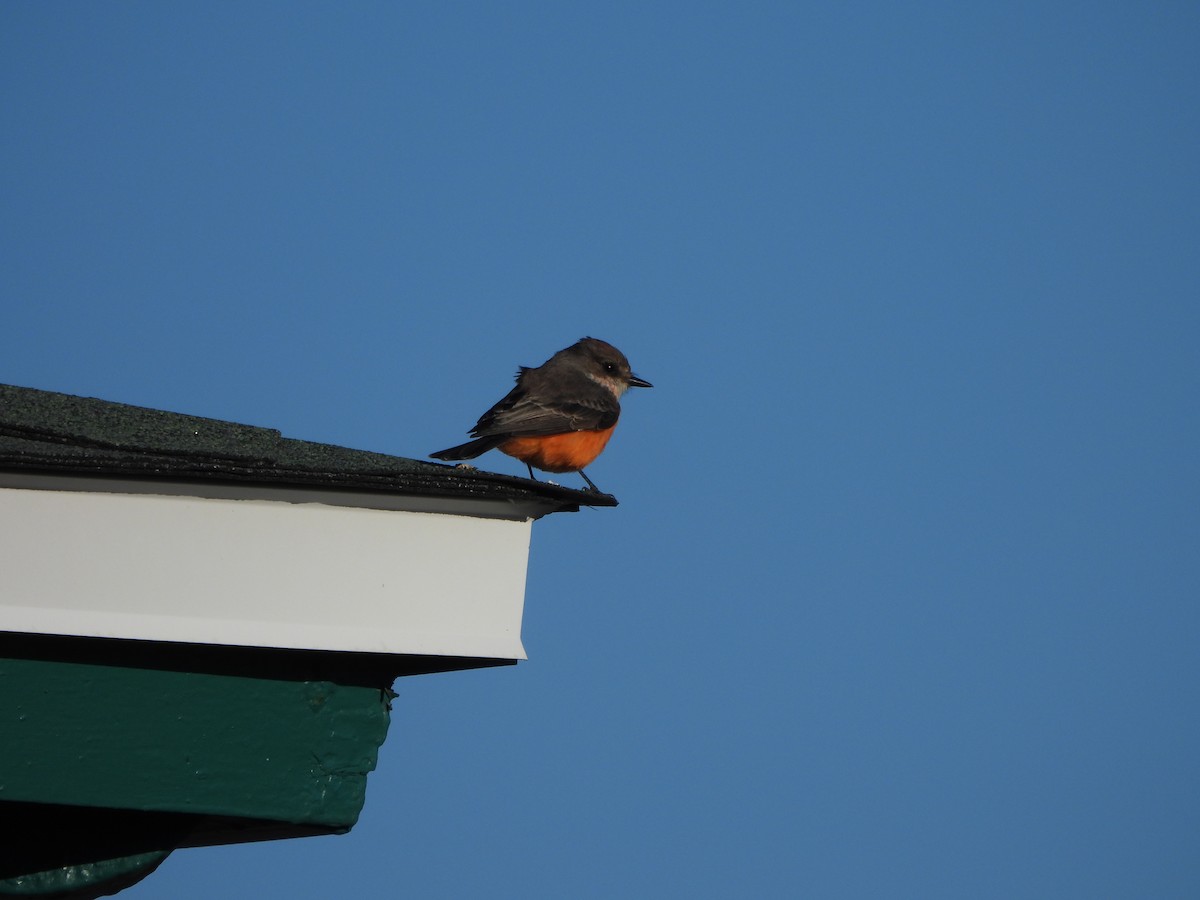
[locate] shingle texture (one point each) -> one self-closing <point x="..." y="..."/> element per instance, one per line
<point x="43" y="431"/>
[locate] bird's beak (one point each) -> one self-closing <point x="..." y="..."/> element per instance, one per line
<point x="634" y="381"/>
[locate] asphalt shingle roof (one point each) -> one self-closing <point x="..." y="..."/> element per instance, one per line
<point x="44" y="431"/>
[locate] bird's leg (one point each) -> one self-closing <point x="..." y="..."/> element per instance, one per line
<point x="590" y="482"/>
<point x="532" y="477"/>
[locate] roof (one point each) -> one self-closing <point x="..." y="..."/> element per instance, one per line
<point x="48" y="432"/>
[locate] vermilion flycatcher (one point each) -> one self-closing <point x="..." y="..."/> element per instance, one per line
<point x="560" y="415"/>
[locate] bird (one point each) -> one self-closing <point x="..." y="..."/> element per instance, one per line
<point x="560" y="415"/>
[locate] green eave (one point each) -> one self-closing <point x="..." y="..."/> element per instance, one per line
<point x="116" y="752"/>
<point x="203" y="743"/>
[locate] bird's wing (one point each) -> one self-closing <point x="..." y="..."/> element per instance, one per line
<point x="521" y="414"/>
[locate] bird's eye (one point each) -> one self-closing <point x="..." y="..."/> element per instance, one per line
<point x="610" y="367"/>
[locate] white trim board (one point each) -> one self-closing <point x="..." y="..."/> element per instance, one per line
<point x="261" y="572"/>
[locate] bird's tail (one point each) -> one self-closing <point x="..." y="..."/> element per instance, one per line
<point x="470" y="449"/>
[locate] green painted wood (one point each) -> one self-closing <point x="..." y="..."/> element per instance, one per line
<point x="99" y="879"/>
<point x="244" y="748"/>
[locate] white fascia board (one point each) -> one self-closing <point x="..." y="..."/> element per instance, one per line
<point x="286" y="572"/>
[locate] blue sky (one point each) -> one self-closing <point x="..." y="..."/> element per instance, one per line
<point x="901" y="596"/>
